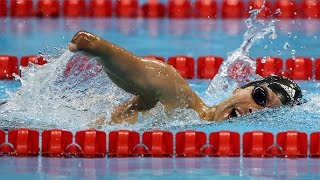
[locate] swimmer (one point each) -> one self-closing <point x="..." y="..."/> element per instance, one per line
<point x="152" y="81"/>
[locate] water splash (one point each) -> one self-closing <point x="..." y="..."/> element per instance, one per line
<point x="239" y="68"/>
<point x="72" y="92"/>
<point x="68" y="92"/>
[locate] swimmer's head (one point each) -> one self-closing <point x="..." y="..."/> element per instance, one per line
<point x="269" y="92"/>
<point x="287" y="91"/>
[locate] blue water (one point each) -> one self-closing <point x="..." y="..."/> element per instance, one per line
<point x="158" y="168"/>
<point x="168" y="38"/>
<point x="158" y="36"/>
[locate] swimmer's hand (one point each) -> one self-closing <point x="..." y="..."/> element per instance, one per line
<point x="83" y="41"/>
<point x="72" y="47"/>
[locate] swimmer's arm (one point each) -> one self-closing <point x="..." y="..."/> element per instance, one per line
<point x="126" y="112"/>
<point x="204" y="112"/>
<point x="109" y="53"/>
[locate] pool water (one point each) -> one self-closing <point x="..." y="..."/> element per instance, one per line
<point x="159" y="168"/>
<point x="167" y="38"/>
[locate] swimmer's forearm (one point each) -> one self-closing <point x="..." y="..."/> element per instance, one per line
<point x="95" y="46"/>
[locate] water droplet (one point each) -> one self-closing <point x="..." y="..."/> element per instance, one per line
<point x="293" y="51"/>
<point x="286" y="45"/>
<point x="278" y="11"/>
<point x="289" y="34"/>
<point x="6" y="20"/>
<point x="279" y="52"/>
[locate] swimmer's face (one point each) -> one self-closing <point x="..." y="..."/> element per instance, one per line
<point x="245" y="101"/>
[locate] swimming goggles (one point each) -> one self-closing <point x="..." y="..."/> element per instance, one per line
<point x="259" y="95"/>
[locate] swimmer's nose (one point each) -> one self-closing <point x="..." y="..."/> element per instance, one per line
<point x="72" y="47"/>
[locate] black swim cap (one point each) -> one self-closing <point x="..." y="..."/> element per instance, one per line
<point x="287" y="91"/>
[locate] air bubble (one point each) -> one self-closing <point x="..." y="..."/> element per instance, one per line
<point x="286" y="45"/>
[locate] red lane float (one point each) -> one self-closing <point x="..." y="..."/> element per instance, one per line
<point x="25" y="60"/>
<point x="2" y="136"/>
<point x="315" y="145"/>
<point x="21" y="8"/>
<point x="8" y="67"/>
<point x="100" y="8"/>
<point x="266" y="12"/>
<point x="4" y="147"/>
<point x="317" y="69"/>
<point x="122" y="143"/>
<point x="205" y="9"/>
<point x="233" y="9"/>
<point x="310" y="9"/>
<point x="208" y="66"/>
<point x="159" y="143"/>
<point x="240" y="70"/>
<point x="285" y="9"/>
<point x="299" y="68"/>
<point x="284" y="73"/>
<point x="82" y="67"/>
<point x="225" y="143"/>
<point x="25" y="142"/>
<point x="127" y="8"/>
<point x="155" y="57"/>
<point x="92" y="143"/>
<point x="3" y="8"/>
<point x="55" y="142"/>
<point x="48" y="8"/>
<point x="179" y="9"/>
<point x="184" y="65"/>
<point x="153" y="9"/>
<point x="257" y="144"/>
<point x="268" y="66"/>
<point x="292" y="144"/>
<point x="74" y="8"/>
<point x="189" y="143"/>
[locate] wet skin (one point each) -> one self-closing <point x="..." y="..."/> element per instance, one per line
<point x="152" y="81"/>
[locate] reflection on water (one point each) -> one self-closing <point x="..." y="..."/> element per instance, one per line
<point x="202" y="37"/>
<point x="274" y="168"/>
<point x="21" y="26"/>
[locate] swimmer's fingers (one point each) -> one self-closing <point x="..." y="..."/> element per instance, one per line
<point x="72" y="47"/>
<point x="83" y="41"/>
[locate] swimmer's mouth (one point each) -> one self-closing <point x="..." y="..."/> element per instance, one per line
<point x="234" y="113"/>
